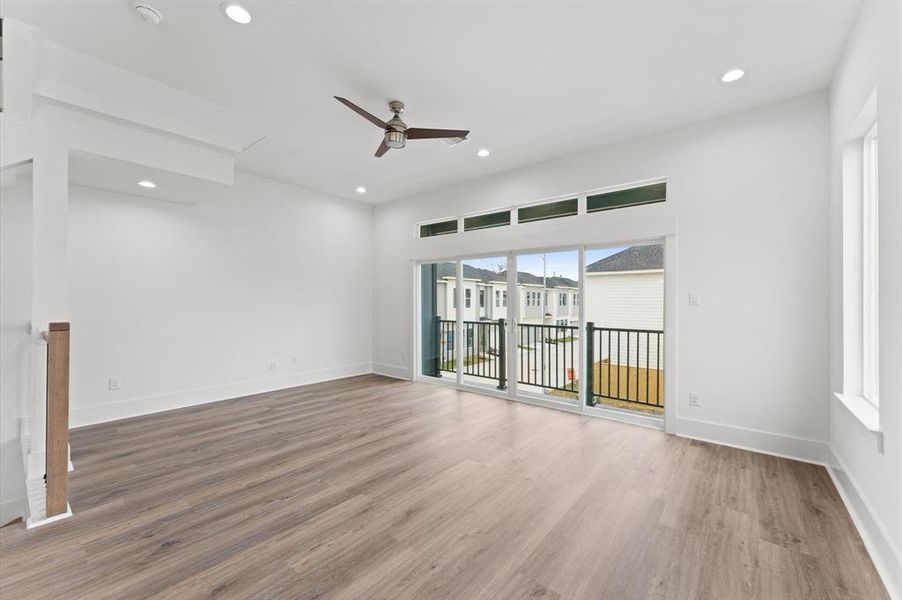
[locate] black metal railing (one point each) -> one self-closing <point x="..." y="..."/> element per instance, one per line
<point x="626" y="365"/>
<point x="447" y="348"/>
<point x="548" y="356"/>
<point x="484" y="350"/>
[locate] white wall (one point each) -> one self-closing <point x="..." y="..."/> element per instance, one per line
<point x="15" y="341"/>
<point x="871" y="481"/>
<point x="747" y="203"/>
<point x="190" y="303"/>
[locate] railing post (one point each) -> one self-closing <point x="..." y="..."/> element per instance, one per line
<point x="590" y="364"/>
<point x="437" y="371"/>
<point x="57" y="427"/>
<point x="502" y="355"/>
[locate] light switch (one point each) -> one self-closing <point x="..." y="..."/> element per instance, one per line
<point x="695" y="299"/>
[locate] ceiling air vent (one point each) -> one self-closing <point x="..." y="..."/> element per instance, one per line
<point x="270" y="150"/>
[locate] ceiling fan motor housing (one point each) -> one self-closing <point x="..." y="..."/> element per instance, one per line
<point x="395" y="139"/>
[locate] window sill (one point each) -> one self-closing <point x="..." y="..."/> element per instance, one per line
<point x="865" y="413"/>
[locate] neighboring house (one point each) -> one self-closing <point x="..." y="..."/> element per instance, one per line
<point x="627" y="289"/>
<point x="486" y="297"/>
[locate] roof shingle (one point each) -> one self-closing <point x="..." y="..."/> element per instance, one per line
<point x="636" y="258"/>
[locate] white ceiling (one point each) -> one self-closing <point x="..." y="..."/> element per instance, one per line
<point x="530" y="80"/>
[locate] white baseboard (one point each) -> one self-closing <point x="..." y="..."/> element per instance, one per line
<point x="31" y="523"/>
<point x="392" y="371"/>
<point x="776" y="444"/>
<point x="80" y="416"/>
<point x="887" y="558"/>
<point x="13" y="509"/>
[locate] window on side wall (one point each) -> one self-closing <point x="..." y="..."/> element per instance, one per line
<point x="869" y="270"/>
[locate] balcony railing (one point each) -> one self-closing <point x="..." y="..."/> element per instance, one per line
<point x="548" y="356"/>
<point x="484" y="349"/>
<point x="625" y="365"/>
<point x="447" y="349"/>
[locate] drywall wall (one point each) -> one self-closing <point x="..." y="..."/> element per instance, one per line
<point x="16" y="383"/>
<point x="747" y="198"/>
<point x="189" y="303"/>
<point x="871" y="480"/>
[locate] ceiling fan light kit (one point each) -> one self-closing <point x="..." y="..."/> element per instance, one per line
<point x="396" y="132"/>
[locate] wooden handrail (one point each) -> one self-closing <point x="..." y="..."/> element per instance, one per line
<point x="57" y="418"/>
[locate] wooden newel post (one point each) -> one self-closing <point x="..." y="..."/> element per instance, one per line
<point x="502" y="355"/>
<point x="57" y="418"/>
<point x="590" y="363"/>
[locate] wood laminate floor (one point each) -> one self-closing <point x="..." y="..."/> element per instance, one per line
<point x="370" y="487"/>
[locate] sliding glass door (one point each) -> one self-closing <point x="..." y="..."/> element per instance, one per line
<point x="547" y="325"/>
<point x="583" y="327"/>
<point x="484" y="322"/>
<point x="624" y="312"/>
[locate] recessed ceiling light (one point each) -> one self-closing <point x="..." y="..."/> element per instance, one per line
<point x="148" y="13"/>
<point x="236" y="12"/>
<point x="483" y="152"/>
<point x="361" y="189"/>
<point x="147" y="183"/>
<point x="732" y="75"/>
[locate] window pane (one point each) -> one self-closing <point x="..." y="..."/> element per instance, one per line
<point x="551" y="210"/>
<point x="870" y="272"/>
<point x="433" y="229"/>
<point x="647" y="194"/>
<point x="548" y="352"/>
<point x="483" y="359"/>
<point x="498" y="219"/>
<point x="438" y="317"/>
<point x="624" y="302"/>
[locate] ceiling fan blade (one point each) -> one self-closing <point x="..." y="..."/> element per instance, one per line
<point x="416" y="133"/>
<point x="372" y="119"/>
<point x="382" y="149"/>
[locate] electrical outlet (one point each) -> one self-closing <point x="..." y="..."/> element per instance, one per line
<point x="272" y="365"/>
<point x="114" y="383"/>
<point x="694" y="399"/>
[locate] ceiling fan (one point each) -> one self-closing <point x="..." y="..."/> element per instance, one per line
<point x="397" y="132"/>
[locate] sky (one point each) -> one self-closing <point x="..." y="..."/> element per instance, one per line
<point x="562" y="264"/>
